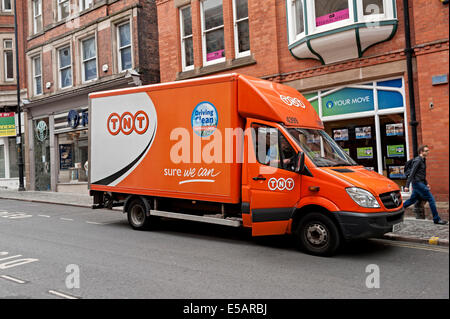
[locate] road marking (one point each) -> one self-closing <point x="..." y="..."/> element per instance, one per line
<point x="441" y="249"/>
<point x="46" y="216"/>
<point x="68" y="219"/>
<point x="60" y="294"/>
<point x="94" y="223"/>
<point x="16" y="280"/>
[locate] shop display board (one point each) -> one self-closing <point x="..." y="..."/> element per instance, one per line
<point x="395" y="129"/>
<point x="340" y="134"/>
<point x="396" y="150"/>
<point x="65" y="156"/>
<point x="396" y="172"/>
<point x="364" y="152"/>
<point x="364" y="132"/>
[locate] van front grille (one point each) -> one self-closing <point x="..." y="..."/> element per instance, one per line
<point x="391" y="200"/>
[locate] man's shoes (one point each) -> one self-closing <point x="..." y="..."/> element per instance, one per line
<point x="441" y="222"/>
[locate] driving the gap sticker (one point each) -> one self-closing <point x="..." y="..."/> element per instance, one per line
<point x="204" y="119"/>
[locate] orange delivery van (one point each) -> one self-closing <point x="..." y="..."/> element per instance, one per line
<point x="233" y="150"/>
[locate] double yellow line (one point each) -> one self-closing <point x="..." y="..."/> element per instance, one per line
<point x="432" y="247"/>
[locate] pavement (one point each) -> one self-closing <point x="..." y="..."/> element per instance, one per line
<point x="413" y="230"/>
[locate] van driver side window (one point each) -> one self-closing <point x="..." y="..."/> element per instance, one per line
<point x="272" y="148"/>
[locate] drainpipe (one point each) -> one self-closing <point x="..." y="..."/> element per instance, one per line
<point x="409" y="54"/>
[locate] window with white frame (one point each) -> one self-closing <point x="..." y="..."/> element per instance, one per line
<point x="63" y="9"/>
<point x="298" y="17"/>
<point x="213" y="32"/>
<point x="65" y="67"/>
<point x="37" y="75"/>
<point x="371" y="7"/>
<point x="241" y="28"/>
<point x="124" y="46"/>
<point x="6" y="5"/>
<point x="327" y="12"/>
<point x="85" y="4"/>
<point x="37" y="16"/>
<point x="187" y="44"/>
<point x="89" y="59"/>
<point x="9" y="60"/>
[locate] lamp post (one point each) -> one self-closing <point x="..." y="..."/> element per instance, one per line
<point x="19" y="134"/>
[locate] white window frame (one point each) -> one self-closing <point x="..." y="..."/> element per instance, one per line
<point x="37" y="15"/>
<point x="204" y="53"/>
<point x="388" y="12"/>
<point x="60" y="4"/>
<point x="4" y="7"/>
<point x="33" y="67"/>
<point x="83" y="61"/>
<point x="83" y="6"/>
<point x="183" y="39"/>
<point x="119" y="48"/>
<point x="65" y="67"/>
<point x="236" y="35"/>
<point x="6" y="50"/>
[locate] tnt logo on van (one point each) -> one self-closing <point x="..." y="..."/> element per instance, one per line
<point x="128" y="123"/>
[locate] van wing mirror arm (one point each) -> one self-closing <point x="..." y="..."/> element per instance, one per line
<point x="300" y="162"/>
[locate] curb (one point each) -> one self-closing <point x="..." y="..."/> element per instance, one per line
<point x="46" y="202"/>
<point x="436" y="241"/>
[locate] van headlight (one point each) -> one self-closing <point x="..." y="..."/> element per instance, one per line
<point x="362" y="197"/>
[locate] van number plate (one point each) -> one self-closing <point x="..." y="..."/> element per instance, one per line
<point x="397" y="227"/>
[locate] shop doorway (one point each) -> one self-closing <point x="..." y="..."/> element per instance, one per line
<point x="42" y="178"/>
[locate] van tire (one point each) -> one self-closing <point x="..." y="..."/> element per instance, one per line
<point x="317" y="235"/>
<point x="137" y="215"/>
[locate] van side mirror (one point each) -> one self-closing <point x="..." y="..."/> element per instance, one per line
<point x="300" y="163"/>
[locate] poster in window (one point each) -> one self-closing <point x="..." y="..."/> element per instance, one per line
<point x="363" y="132"/>
<point x="364" y="152"/>
<point x="340" y="135"/>
<point x="395" y="129"/>
<point x="395" y="150"/>
<point x="396" y="172"/>
<point x="65" y="156"/>
<point x="347" y="150"/>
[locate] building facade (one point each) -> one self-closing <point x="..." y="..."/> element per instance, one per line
<point x="348" y="57"/>
<point x="9" y="171"/>
<point x="73" y="48"/>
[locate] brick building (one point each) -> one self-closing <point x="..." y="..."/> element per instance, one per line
<point x="73" y="48"/>
<point x="9" y="172"/>
<point x="347" y="57"/>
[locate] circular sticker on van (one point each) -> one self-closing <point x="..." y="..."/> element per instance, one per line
<point x="204" y="119"/>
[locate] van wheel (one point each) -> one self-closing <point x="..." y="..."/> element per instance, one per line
<point x="317" y="234"/>
<point x="137" y="215"/>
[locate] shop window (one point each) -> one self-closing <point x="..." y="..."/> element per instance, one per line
<point x="241" y="28"/>
<point x="73" y="157"/>
<point x="213" y="32"/>
<point x="124" y="46"/>
<point x="187" y="45"/>
<point x="65" y="67"/>
<point x="2" y="161"/>
<point x="12" y="151"/>
<point x="42" y="166"/>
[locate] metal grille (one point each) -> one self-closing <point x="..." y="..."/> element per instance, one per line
<point x="391" y="200"/>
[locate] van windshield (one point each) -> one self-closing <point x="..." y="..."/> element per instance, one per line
<point x="321" y="148"/>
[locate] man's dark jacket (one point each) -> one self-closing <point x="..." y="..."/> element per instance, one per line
<point x="418" y="171"/>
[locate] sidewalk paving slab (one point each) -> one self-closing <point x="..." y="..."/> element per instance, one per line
<point x="413" y="230"/>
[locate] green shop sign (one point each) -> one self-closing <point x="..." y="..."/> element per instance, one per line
<point x="347" y="100"/>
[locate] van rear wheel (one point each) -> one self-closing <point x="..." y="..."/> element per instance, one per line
<point x="137" y="215"/>
<point x="317" y="234"/>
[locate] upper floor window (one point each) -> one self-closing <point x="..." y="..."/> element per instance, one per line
<point x="37" y="16"/>
<point x="89" y="59"/>
<point x="63" y="9"/>
<point x="241" y="28"/>
<point x="9" y="60"/>
<point x="86" y="4"/>
<point x="6" y="5"/>
<point x="65" y="67"/>
<point x="37" y="75"/>
<point x="327" y="12"/>
<point x="124" y="46"/>
<point x="213" y="32"/>
<point x="187" y="45"/>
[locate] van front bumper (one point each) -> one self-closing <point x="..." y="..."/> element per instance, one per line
<point x="367" y="225"/>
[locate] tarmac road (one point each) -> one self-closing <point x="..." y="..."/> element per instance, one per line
<point x="47" y="251"/>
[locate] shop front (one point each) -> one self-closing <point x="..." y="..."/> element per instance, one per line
<point x="368" y="121"/>
<point x="9" y="170"/>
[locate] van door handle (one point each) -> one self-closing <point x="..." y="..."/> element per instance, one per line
<point x="259" y="178"/>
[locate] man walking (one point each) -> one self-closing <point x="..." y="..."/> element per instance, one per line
<point x="421" y="188"/>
